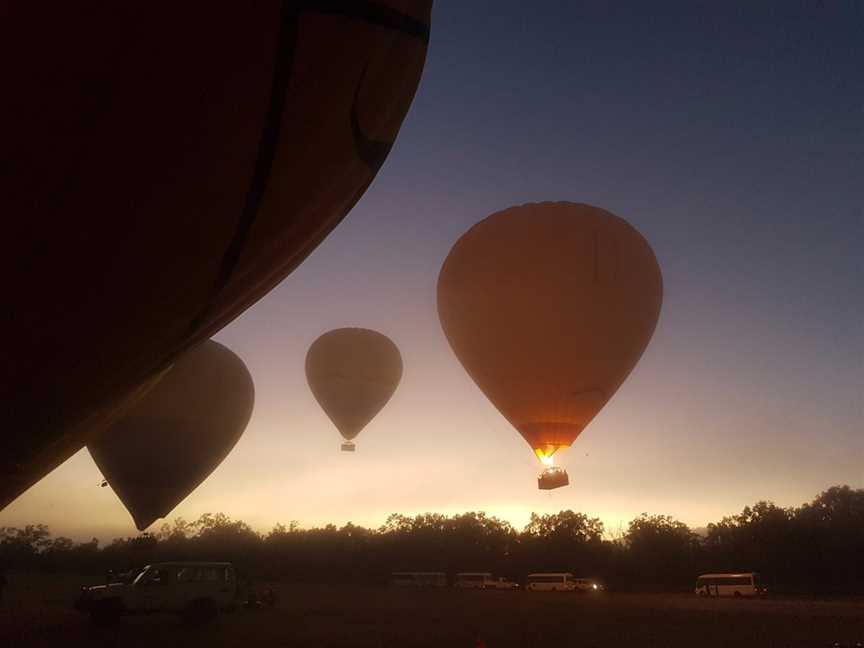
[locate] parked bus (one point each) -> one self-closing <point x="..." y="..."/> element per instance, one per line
<point x="736" y="585"/>
<point x="418" y="579"/>
<point x="551" y="582"/>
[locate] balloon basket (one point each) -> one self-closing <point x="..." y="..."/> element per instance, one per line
<point x="551" y="478"/>
<point x="348" y="447"/>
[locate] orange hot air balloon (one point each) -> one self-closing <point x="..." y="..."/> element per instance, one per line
<point x="162" y="169"/>
<point x="549" y="306"/>
<point x="177" y="434"/>
<point x="353" y="372"/>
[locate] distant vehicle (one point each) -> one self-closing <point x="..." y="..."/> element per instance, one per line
<point x="418" y="579"/>
<point x="472" y="580"/>
<point x="483" y="580"/>
<point x="501" y="583"/>
<point x="551" y="582"/>
<point x="736" y="585"/>
<point x="588" y="585"/>
<point x="197" y="591"/>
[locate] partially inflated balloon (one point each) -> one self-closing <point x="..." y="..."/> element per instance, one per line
<point x="163" y="168"/>
<point x="177" y="434"/>
<point x="353" y="372"/>
<point x="548" y="307"/>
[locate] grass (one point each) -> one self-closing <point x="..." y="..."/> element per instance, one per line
<point x="37" y="612"/>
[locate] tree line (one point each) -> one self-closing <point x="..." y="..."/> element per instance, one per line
<point x="817" y="547"/>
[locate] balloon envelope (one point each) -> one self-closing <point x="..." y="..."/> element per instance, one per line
<point x="353" y="372"/>
<point x="548" y="307"/>
<point x="167" y="169"/>
<point x="176" y="435"/>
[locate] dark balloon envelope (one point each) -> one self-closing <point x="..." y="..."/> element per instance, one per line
<point x="353" y="372"/>
<point x="549" y="306"/>
<point x="162" y="170"/>
<point x="176" y="435"/>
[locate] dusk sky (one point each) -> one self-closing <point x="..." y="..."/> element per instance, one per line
<point x="730" y="134"/>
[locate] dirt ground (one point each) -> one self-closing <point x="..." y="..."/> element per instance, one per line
<point x="39" y="612"/>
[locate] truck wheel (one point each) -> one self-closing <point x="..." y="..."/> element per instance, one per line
<point x="200" y="611"/>
<point x="106" y="612"/>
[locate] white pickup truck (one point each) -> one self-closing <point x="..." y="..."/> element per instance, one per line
<point x="501" y="583"/>
<point x="198" y="591"/>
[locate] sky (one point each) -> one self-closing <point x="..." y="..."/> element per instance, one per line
<point x="729" y="134"/>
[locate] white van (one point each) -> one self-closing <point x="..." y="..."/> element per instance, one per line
<point x="483" y="580"/>
<point x="551" y="582"/>
<point x="418" y="579"/>
<point x="195" y="590"/>
<point x="735" y="585"/>
<point x="472" y="580"/>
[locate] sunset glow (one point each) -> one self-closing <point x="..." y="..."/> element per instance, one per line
<point x="744" y="177"/>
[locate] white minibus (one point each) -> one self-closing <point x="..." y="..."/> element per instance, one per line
<point x="551" y="582"/>
<point x="418" y="579"/>
<point x="736" y="585"/>
<point x="472" y="580"/>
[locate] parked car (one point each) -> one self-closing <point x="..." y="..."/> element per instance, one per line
<point x="588" y="585"/>
<point x="197" y="591"/>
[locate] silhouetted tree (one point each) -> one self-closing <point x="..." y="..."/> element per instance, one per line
<point x="818" y="546"/>
<point x="22" y="547"/>
<point x="565" y="541"/>
<point x="755" y="540"/>
<point x="829" y="539"/>
<point x="661" y="551"/>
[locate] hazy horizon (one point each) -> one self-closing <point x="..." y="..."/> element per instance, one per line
<point x="613" y="528"/>
<point x="729" y="136"/>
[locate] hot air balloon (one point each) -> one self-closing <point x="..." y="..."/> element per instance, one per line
<point x="353" y="372"/>
<point x="176" y="435"/>
<point x="548" y="307"/>
<point x="162" y="171"/>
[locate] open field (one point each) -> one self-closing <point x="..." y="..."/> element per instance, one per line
<point x="40" y="614"/>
